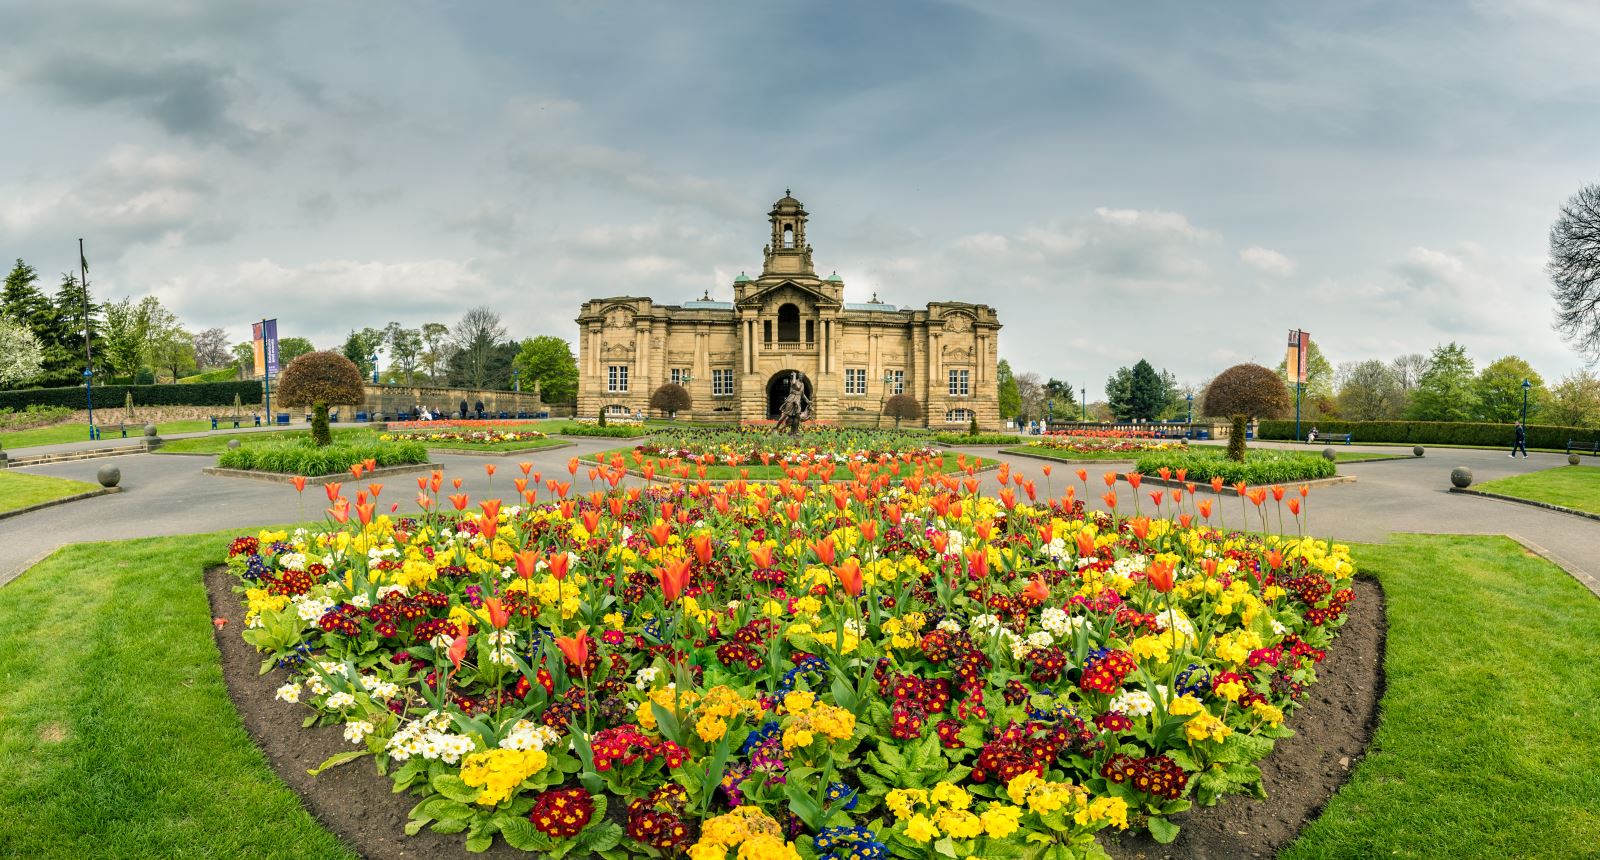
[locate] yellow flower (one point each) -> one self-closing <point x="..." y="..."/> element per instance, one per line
<point x="921" y="829"/>
<point x="902" y="801"/>
<point x="711" y="729"/>
<point x="1231" y="690"/>
<point x="1000" y="820"/>
<point x="798" y="701"/>
<point x="1204" y="726"/>
<point x="1269" y="714"/>
<point x="498" y="772"/>
<point x="1184" y="705"/>
<point x="613" y="620"/>
<point x="950" y="795"/>
<point x="1112" y="810"/>
<point x="959" y="823"/>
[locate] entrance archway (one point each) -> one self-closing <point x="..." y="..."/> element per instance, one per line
<point x="778" y="389"/>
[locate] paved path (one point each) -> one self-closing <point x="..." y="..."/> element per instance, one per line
<point x="167" y="494"/>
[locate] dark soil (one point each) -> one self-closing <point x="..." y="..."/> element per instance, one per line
<point x="1332" y="729"/>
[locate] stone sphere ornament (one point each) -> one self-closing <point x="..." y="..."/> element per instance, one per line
<point x="1461" y="476"/>
<point x="108" y="476"/>
<point x="1573" y="459"/>
<point x="1417" y="451"/>
<point x="233" y="444"/>
<point x="149" y="429"/>
<point x="1329" y="454"/>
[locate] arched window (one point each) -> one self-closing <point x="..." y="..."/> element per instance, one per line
<point x="789" y="323"/>
<point x="788" y="235"/>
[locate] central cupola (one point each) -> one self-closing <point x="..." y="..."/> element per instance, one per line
<point x="787" y="252"/>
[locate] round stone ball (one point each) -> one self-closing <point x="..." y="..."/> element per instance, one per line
<point x="1417" y="451"/>
<point x="1461" y="476"/>
<point x="1573" y="459"/>
<point x="232" y="444"/>
<point x="108" y="476"/>
<point x="1329" y="454"/>
<point x="149" y="429"/>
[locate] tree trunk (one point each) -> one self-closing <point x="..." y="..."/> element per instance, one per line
<point x="319" y="425"/>
<point x="1236" y="439"/>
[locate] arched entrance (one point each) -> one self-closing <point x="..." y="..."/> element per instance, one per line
<point x="778" y="389"/>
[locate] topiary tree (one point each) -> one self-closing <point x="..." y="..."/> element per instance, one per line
<point x="972" y="426"/>
<point x="902" y="406"/>
<point x="317" y="380"/>
<point x="602" y="419"/>
<point x="671" y="399"/>
<point x="1243" y="392"/>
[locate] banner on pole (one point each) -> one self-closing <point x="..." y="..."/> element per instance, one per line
<point x="1291" y="358"/>
<point x="264" y="342"/>
<point x="1303" y="365"/>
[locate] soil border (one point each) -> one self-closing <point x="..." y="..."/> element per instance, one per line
<point x="1333" y="727"/>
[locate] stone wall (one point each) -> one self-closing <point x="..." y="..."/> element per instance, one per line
<point x="393" y="399"/>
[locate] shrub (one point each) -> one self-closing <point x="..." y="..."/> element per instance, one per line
<point x="972" y="426"/>
<point x="671" y="399"/>
<point x="221" y="374"/>
<point x="113" y="396"/>
<point x="1242" y="392"/>
<point x="302" y="457"/>
<point x="980" y="439"/>
<point x="33" y="416"/>
<point x="902" y="407"/>
<point x="1438" y="432"/>
<point x="318" y="379"/>
<point x="1259" y="466"/>
<point x="602" y="417"/>
<point x="614" y="431"/>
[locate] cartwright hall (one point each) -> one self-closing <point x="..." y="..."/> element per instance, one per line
<point x="737" y="358"/>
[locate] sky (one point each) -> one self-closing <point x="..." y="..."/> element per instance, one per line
<point x="1171" y="181"/>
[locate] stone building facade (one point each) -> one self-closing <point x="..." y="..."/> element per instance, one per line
<point x="736" y="358"/>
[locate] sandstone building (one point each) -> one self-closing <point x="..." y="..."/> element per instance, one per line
<point x="736" y="358"/>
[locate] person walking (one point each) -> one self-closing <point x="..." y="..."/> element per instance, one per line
<point x="1522" y="442"/>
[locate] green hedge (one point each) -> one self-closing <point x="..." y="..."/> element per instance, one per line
<point x="115" y="396"/>
<point x="1259" y="466"/>
<point x="300" y="457"/>
<point x="609" y="431"/>
<point x="980" y="439"/>
<point x="1435" y="432"/>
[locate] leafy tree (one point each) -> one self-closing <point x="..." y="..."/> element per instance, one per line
<point x="318" y="380"/>
<point x="548" y="361"/>
<point x="20" y="356"/>
<point x="902" y="407"/>
<point x="1574" y="401"/>
<point x="405" y="349"/>
<point x="1243" y="392"/>
<point x="244" y="356"/>
<point x="1174" y="403"/>
<point x="496" y="370"/>
<point x="1445" y="391"/>
<point x="1499" y="390"/>
<point x="1030" y="394"/>
<point x="436" y="348"/>
<point x="70" y="300"/>
<point x="1319" y="374"/>
<point x="670" y="399"/>
<point x="475" y="336"/>
<point x="289" y="349"/>
<point x="1010" y="398"/>
<point x="1370" y="391"/>
<point x="211" y="349"/>
<point x="361" y="346"/>
<point x="1574" y="269"/>
<point x="127" y="331"/>
<point x="1060" y="398"/>
<point x="166" y="345"/>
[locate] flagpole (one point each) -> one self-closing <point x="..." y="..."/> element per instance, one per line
<point x="88" y="353"/>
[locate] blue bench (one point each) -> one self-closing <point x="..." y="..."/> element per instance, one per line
<point x="1330" y="438"/>
<point x="1573" y="444"/>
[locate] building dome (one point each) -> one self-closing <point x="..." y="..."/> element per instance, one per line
<point x="787" y="204"/>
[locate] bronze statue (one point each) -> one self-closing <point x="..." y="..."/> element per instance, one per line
<point x="796" y="407"/>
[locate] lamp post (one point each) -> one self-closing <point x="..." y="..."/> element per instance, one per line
<point x="374" y="359"/>
<point x="1083" y="405"/>
<point x="1191" y="413"/>
<point x="516" y="384"/>
<point x="888" y="380"/>
<point x="1527" y="385"/>
<point x="88" y="387"/>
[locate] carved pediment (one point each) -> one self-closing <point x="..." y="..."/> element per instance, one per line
<point x="765" y="295"/>
<point x="958" y="351"/>
<point x="957" y="323"/>
<point x="617" y="350"/>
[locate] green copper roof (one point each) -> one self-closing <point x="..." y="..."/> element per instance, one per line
<point x="835" y="277"/>
<point x="741" y="279"/>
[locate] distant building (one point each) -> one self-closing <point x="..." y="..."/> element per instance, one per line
<point x="735" y="358"/>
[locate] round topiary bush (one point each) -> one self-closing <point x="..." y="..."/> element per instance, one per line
<point x="902" y="407"/>
<point x="1243" y="392"/>
<point x="670" y="399"/>
<point x="1461" y="476"/>
<point x="318" y="380"/>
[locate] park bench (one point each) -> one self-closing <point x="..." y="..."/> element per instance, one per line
<point x="1331" y="438"/>
<point x="1583" y="447"/>
<point x="217" y="419"/>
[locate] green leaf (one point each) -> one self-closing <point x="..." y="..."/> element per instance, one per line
<point x="519" y="833"/>
<point x="480" y="842"/>
<point x="945" y="847"/>
<point x="451" y="825"/>
<point x="600" y="837"/>
<point x="804" y="805"/>
<point x="1162" y="830"/>
<point x="338" y="759"/>
<point x="451" y="786"/>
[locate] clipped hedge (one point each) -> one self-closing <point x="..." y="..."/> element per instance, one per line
<point x="1259" y="467"/>
<point x="608" y="431"/>
<point x="115" y="396"/>
<point x="300" y="457"/>
<point x="980" y="439"/>
<point x="1435" y="432"/>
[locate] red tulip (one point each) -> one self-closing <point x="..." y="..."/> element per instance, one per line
<point x="849" y="575"/>
<point x="576" y="650"/>
<point x="674" y="576"/>
<point x="299" y="482"/>
<point x="499" y="616"/>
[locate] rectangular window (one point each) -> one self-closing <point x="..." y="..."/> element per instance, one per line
<point x="897" y="382"/>
<point x="722" y="383"/>
<point x="677" y="375"/>
<point x="958" y="383"/>
<point x="617" y="378"/>
<point x="855" y="380"/>
<point x="957" y="416"/>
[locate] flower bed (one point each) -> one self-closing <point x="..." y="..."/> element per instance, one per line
<point x="471" y="437"/>
<point x="879" y="666"/>
<point x="1097" y="444"/>
<point x="1259" y="466"/>
<point x="300" y="457"/>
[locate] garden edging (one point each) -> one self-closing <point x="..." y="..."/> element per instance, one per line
<point x="76" y="497"/>
<point x="285" y="478"/>
<point x="1468" y="491"/>
<point x="1228" y="490"/>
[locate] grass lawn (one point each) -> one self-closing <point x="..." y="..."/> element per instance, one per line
<point x="218" y="442"/>
<point x="146" y="756"/>
<point x="56" y="434"/>
<point x="757" y="472"/>
<point x="1487" y="742"/>
<point x="1340" y="455"/>
<point x="1568" y="486"/>
<point x="19" y="490"/>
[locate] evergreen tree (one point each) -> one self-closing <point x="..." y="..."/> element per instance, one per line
<point x="70" y="301"/>
<point x="1445" y="390"/>
<point x="1119" y="394"/>
<point x="1010" y="398"/>
<point x="1147" y="392"/>
<point x="1060" y="397"/>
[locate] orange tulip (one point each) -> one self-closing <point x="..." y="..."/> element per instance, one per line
<point x="499" y="616"/>
<point x="488" y="469"/>
<point x="364" y="513"/>
<point x="423" y="501"/>
<point x="1165" y="473"/>
<point x="526" y="468"/>
<point x="460" y="501"/>
<point x="576" y="650"/>
<point x="666" y="510"/>
<point x="702" y="547"/>
<point x="458" y="649"/>
<point x="1036" y="591"/>
<point x="1110" y="478"/>
<point x="356" y="470"/>
<point x="332" y="489"/>
<point x="455" y="483"/>
<point x="1184" y="520"/>
<point x="1183" y="474"/>
<point x="1205" y="508"/>
<point x="1277" y="494"/>
<point x="1294" y="507"/>
<point x="1110" y="499"/>
<point x="527" y="563"/>
<point x="824" y="549"/>
<point x="660" y="532"/>
<point x="1083" y="475"/>
<point x="978" y="562"/>
<point x="940" y="540"/>
<point x="1216" y="484"/>
<point x="1156" y="496"/>
<point x="849" y="575"/>
<point x="1159" y="574"/>
<point x="299" y="482"/>
<point x="371" y="464"/>
<point x="674" y="576"/>
<point x="374" y="489"/>
<point x="869" y="530"/>
<point x="591" y="520"/>
<point x="1140" y="527"/>
<point x="1275" y="558"/>
<point x="762" y="557"/>
<point x="340" y="511"/>
<point x="572" y="466"/>
<point x="1045" y="469"/>
<point x="436" y="481"/>
<point x="1133" y="479"/>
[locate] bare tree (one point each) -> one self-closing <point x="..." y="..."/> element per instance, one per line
<point x="211" y="349"/>
<point x="1408" y="369"/>
<point x="475" y="337"/>
<point x="1574" y="269"/>
<point x="1030" y="391"/>
<point x="1370" y="391"/>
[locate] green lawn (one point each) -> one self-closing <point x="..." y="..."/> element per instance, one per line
<point x="1340" y="455"/>
<point x="1487" y="745"/>
<point x="56" y="434"/>
<point x="1568" y="486"/>
<point x="117" y="733"/>
<point x="19" y="490"/>
<point x="216" y="443"/>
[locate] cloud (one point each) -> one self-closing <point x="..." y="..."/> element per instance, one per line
<point x="1124" y="248"/>
<point x="1267" y="260"/>
<point x="188" y="98"/>
<point x="608" y="169"/>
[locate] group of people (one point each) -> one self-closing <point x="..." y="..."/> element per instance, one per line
<point x="423" y="413"/>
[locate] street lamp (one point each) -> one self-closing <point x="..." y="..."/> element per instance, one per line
<point x="88" y="387"/>
<point x="888" y="380"/>
<point x="1083" y="404"/>
<point x="1191" y="415"/>
<point x="374" y="359"/>
<point x="1526" y="386"/>
<point x="516" y="384"/>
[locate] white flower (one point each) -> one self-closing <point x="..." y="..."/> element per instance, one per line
<point x="288" y="693"/>
<point x="386" y="590"/>
<point x="383" y="691"/>
<point x="502" y="657"/>
<point x="985" y="625"/>
<point x="1279" y="629"/>
<point x="356" y="731"/>
<point x="292" y="561"/>
<point x="311" y="608"/>
<point x="1175" y="619"/>
<point x="360" y="601"/>
<point x="646" y="677"/>
<point x="340" y="700"/>
<point x="1134" y="703"/>
<point x="949" y="625"/>
<point x="316" y="686"/>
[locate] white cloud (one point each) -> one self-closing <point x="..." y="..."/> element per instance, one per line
<point x="1267" y="260"/>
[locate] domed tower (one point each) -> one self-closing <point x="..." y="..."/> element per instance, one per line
<point x="787" y="252"/>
